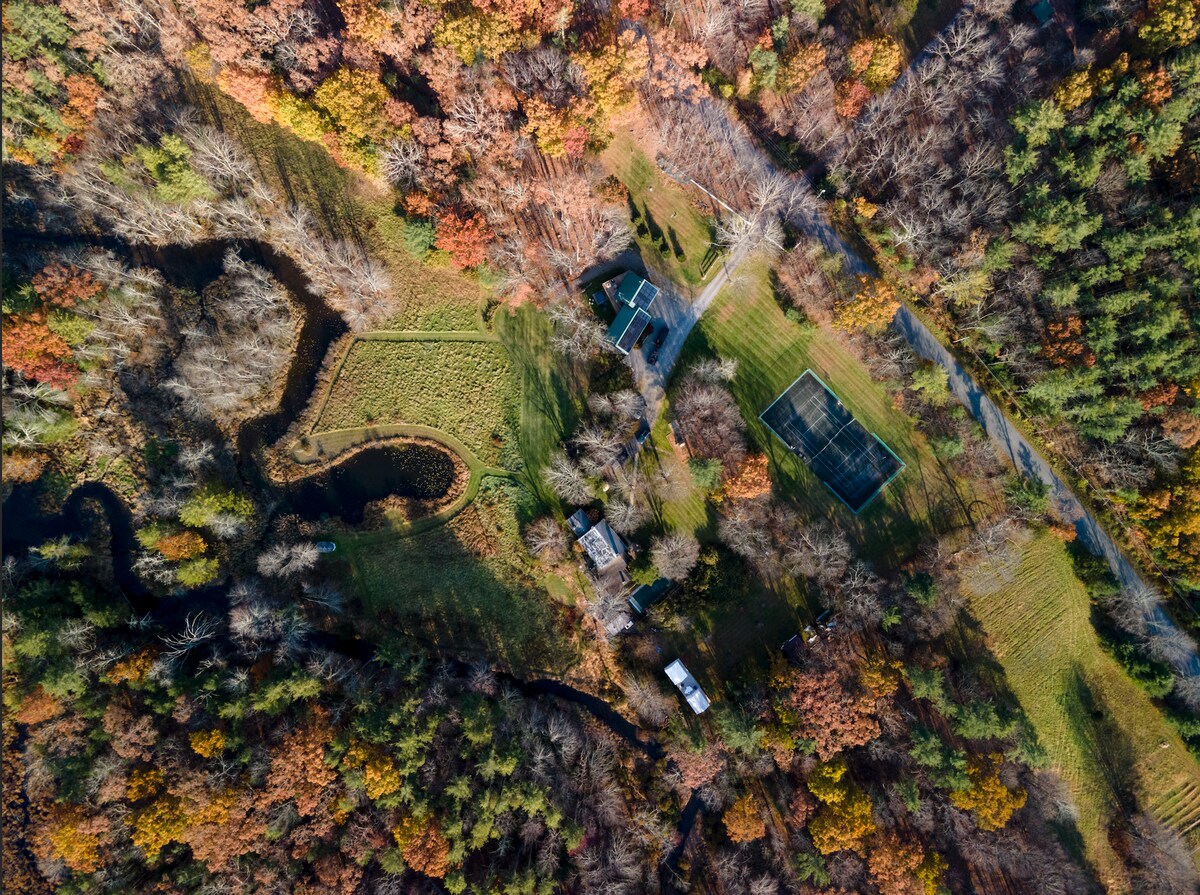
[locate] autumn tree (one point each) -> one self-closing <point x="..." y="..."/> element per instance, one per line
<point x="298" y="768"/>
<point x="465" y="236"/>
<point x="871" y="309"/>
<point x="844" y="819"/>
<point x="743" y="819"/>
<point x="990" y="802"/>
<point x="832" y="711"/>
<point x="423" y="845"/>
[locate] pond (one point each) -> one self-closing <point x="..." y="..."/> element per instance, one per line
<point x="418" y="471"/>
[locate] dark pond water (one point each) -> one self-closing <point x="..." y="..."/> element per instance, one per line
<point x="408" y="470"/>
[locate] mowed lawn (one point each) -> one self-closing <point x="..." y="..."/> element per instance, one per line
<point x="465" y="388"/>
<point x="1102" y="732"/>
<point x="549" y="404"/>
<point x="465" y="588"/>
<point x="664" y="206"/>
<point x="747" y="324"/>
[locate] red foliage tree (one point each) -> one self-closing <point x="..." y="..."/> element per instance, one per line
<point x="465" y="237"/>
<point x="29" y="346"/>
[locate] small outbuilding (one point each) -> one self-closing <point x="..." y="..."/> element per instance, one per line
<point x="682" y="678"/>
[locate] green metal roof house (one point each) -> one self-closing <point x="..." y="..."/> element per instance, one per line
<point x="633" y="297"/>
<point x="631" y="322"/>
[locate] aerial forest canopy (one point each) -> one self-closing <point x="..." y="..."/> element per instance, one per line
<point x="391" y="502"/>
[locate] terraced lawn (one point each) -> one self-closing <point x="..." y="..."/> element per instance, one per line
<point x="747" y="323"/>
<point x="662" y="206"/>
<point x="1102" y="732"/>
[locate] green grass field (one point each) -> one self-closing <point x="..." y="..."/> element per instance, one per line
<point x="548" y="393"/>
<point x="662" y="205"/>
<point x="464" y="587"/>
<point x="1103" y="734"/>
<point x="465" y="388"/>
<point x="746" y="323"/>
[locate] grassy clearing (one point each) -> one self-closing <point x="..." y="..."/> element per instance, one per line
<point x="746" y="323"/>
<point x="685" y="507"/>
<point x="732" y="628"/>
<point x="465" y="388"/>
<point x="1103" y="734"/>
<point x="662" y="205"/>
<point x="464" y="587"/>
<point x="549" y="406"/>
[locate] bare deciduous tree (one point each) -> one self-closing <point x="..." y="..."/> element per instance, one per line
<point x="675" y="555"/>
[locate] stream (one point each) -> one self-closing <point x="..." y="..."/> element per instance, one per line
<point x="343" y="490"/>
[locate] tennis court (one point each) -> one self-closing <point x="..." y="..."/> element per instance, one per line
<point x="813" y="423"/>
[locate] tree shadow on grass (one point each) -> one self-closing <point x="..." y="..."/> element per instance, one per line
<point x="1104" y="744"/>
<point x="433" y="588"/>
<point x="966" y="647"/>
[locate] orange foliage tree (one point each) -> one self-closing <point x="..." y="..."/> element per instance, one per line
<point x="831" y="712"/>
<point x="181" y="545"/>
<point x="29" y="346"/>
<point x="298" y="768"/>
<point x="465" y="237"/>
<point x="423" y="846"/>
<point x="75" y="837"/>
<point x="743" y="819"/>
<point x="871" y="309"/>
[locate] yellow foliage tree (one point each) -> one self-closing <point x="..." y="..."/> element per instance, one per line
<point x="381" y="777"/>
<point x="872" y="308"/>
<point x="876" y="61"/>
<point x="1171" y="23"/>
<point x="1075" y="90"/>
<point x="354" y="99"/>
<point x="144" y="782"/>
<point x="476" y="36"/>
<point x="159" y="824"/>
<point x="743" y="820"/>
<point x="75" y="837"/>
<point x="989" y="800"/>
<point x="844" y="819"/>
<point x="207" y="743"/>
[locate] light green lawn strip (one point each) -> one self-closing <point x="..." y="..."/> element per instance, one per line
<point x="661" y="200"/>
<point x="1102" y="732"/>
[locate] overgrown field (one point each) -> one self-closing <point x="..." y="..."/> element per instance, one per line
<point x="465" y="388"/>
<point x="465" y="586"/>
<point x="661" y="208"/>
<point x="1103" y="734"/>
<point x="747" y="323"/>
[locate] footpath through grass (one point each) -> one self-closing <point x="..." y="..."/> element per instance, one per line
<point x="746" y="323"/>
<point x="1103" y="734"/>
